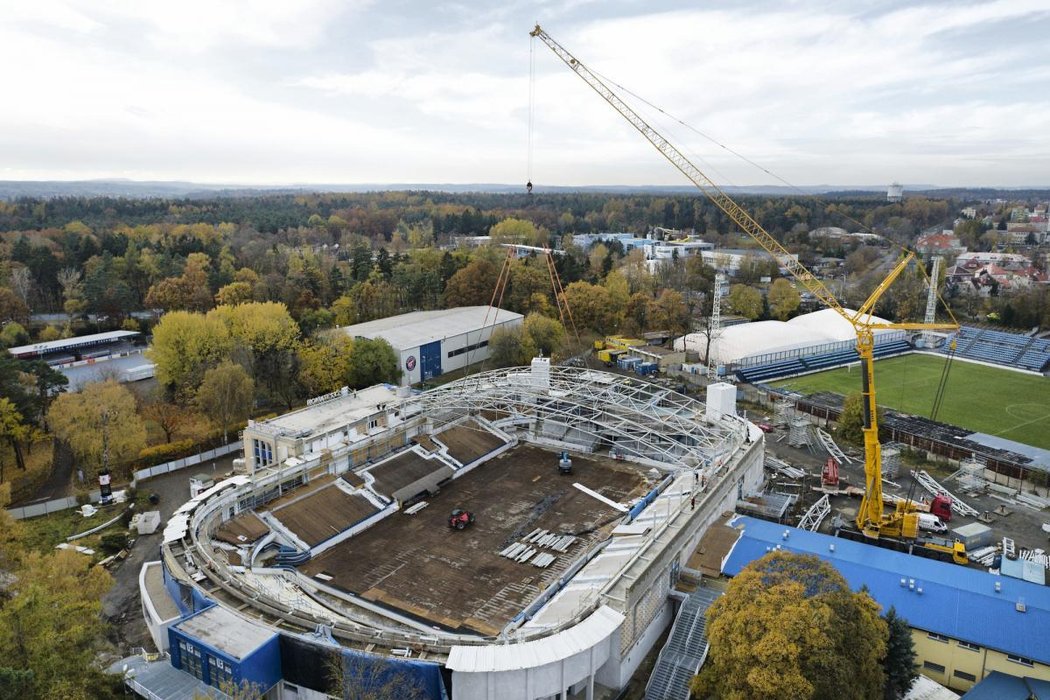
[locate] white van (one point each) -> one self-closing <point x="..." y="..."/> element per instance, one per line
<point x="931" y="523"/>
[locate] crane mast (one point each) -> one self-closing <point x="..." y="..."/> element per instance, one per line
<point x="870" y="518"/>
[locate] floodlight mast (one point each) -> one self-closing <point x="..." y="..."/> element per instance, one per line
<point x="870" y="518"/>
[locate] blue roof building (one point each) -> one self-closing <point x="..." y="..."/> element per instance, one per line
<point x="966" y="622"/>
<point x="224" y="650"/>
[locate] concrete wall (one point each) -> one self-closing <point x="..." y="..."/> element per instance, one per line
<point x="616" y="675"/>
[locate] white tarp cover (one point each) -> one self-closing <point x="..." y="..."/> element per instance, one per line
<point x="734" y="343"/>
<point x="548" y="650"/>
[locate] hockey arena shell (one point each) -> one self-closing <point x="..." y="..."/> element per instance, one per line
<point x="562" y="582"/>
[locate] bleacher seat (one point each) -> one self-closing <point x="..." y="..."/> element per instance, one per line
<point x="813" y="363"/>
<point x="1002" y="348"/>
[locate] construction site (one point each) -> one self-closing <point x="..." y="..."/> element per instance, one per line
<point x="504" y="513"/>
<point x="533" y="532"/>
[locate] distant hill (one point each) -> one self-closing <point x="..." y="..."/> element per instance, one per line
<point x="135" y="189"/>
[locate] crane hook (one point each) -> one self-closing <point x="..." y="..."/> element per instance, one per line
<point x="528" y="187"/>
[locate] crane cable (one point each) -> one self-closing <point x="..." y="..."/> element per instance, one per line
<point x="942" y="385"/>
<point x="532" y="114"/>
<point x="766" y="170"/>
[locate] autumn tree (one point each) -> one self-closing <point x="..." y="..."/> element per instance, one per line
<point x="324" y="363"/>
<point x="372" y="361"/>
<point x="789" y="626"/>
<point x="669" y="312"/>
<point x="265" y="339"/>
<point x="746" y="301"/>
<point x="49" y="333"/>
<point x="783" y="298"/>
<point x="374" y="298"/>
<point x="12" y="432"/>
<point x="189" y="291"/>
<point x="530" y="288"/>
<point x="12" y="334"/>
<point x="234" y="293"/>
<point x="592" y="308"/>
<point x="184" y="346"/>
<point x="511" y="347"/>
<point x="50" y="627"/>
<point x="226" y="395"/>
<point x="473" y="285"/>
<point x="547" y="334"/>
<point x="100" y="423"/>
<point x="519" y="231"/>
<point x="12" y="308"/>
<point x="165" y="415"/>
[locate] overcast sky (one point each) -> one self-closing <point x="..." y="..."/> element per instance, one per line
<point x="399" y="91"/>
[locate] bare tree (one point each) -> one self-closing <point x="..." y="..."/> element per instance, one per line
<point x="363" y="676"/>
<point x="69" y="279"/>
<point x="22" y="283"/>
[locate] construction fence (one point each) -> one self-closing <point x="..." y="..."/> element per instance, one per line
<point x="33" y="510"/>
<point x="177" y="464"/>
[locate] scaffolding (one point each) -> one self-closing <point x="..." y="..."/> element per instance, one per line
<point x="715" y="326"/>
<point x="643" y="421"/>
<point x="891" y="460"/>
<point x="833" y="449"/>
<point x="815" y="515"/>
<point x="798" y="433"/>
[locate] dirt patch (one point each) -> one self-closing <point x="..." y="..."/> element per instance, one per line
<point x="323" y="514"/>
<point x="468" y="442"/>
<point x="417" y="565"/>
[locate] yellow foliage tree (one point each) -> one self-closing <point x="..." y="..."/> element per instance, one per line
<point x="99" y="422"/>
<point x="325" y="363"/>
<point x="789" y="627"/>
<point x="784" y="299"/>
<point x="519" y="231"/>
<point x="50" y="625"/>
<point x="225" y="395"/>
<point x="185" y="344"/>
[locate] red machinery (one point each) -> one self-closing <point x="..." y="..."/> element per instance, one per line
<point x="941" y="506"/>
<point x="829" y="476"/>
<point x="460" y="518"/>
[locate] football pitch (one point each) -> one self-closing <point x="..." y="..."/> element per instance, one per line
<point x="1000" y="402"/>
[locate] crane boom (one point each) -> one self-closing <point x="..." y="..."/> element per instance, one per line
<point x="733" y="210"/>
<point x="870" y="518"/>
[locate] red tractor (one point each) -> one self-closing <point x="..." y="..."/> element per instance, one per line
<point x="459" y="519"/>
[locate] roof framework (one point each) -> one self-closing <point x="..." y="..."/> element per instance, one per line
<point x="641" y="420"/>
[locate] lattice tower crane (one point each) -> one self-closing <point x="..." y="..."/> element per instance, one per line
<point x="871" y="520"/>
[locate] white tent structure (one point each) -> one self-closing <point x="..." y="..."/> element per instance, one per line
<point x="735" y="343"/>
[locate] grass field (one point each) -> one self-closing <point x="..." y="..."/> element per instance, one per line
<point x="999" y="402"/>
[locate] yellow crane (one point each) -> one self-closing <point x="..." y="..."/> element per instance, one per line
<point x="871" y="520"/>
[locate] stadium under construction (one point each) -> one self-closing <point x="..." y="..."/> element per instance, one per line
<point x="334" y="560"/>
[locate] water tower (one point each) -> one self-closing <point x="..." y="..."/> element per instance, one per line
<point x="895" y="192"/>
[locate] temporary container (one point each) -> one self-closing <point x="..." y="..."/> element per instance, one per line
<point x="973" y="536"/>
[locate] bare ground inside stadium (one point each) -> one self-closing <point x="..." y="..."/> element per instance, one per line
<point x="417" y="565"/>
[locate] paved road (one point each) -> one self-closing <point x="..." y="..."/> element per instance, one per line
<point x="122" y="605"/>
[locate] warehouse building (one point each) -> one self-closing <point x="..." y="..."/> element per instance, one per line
<point x="966" y="624"/>
<point x="430" y="343"/>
